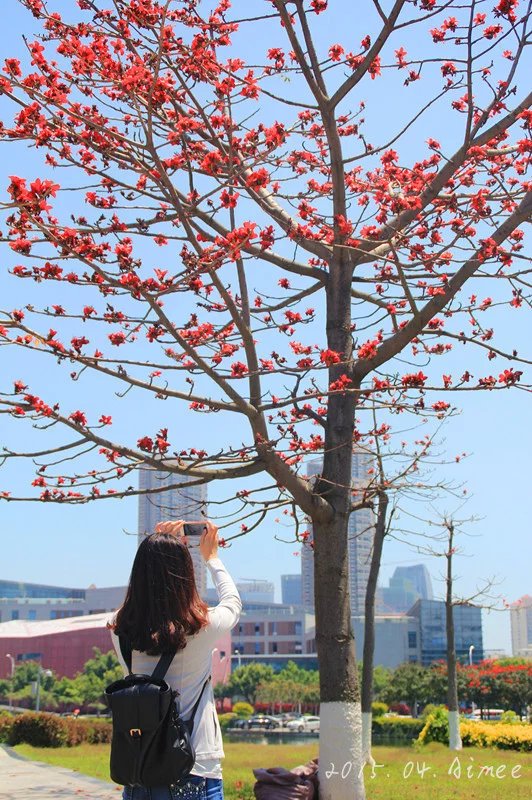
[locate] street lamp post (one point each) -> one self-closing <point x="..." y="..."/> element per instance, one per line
<point x="11" y="658"/>
<point x="237" y="653"/>
<point x="38" y="693"/>
<point x="471" y="648"/>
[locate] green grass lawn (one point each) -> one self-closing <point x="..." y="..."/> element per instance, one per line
<point x="406" y="773"/>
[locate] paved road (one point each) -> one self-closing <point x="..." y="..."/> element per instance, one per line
<point x="21" y="779"/>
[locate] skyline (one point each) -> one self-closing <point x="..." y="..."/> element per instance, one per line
<point x="380" y="614"/>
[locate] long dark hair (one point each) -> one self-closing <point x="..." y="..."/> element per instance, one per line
<point x="162" y="605"/>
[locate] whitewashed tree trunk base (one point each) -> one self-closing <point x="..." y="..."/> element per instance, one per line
<point x="455" y="741"/>
<point x="367" y="718"/>
<point x="341" y="761"/>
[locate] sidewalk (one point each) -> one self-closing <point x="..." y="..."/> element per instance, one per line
<point x="21" y="779"/>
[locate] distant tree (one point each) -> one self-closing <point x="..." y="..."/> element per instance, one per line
<point x="409" y="684"/>
<point x="68" y="693"/>
<point x="86" y="688"/>
<point x="448" y="529"/>
<point x="501" y="683"/>
<point x="104" y="666"/>
<point x="26" y="672"/>
<point x="245" y="680"/>
<point x="97" y="673"/>
<point x="381" y="680"/>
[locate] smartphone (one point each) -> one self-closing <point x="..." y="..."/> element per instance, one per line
<point x="194" y="528"/>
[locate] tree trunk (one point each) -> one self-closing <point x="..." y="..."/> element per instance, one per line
<point x="340" y="748"/>
<point x="369" y="628"/>
<point x="455" y="742"/>
<point x="340" y="744"/>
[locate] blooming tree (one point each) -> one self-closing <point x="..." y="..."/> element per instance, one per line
<point x="234" y="222"/>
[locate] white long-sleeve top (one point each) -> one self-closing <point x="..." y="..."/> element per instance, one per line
<point x="191" y="667"/>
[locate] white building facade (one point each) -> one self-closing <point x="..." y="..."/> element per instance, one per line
<point x="521" y="622"/>
<point x="361" y="532"/>
<point x="169" y="504"/>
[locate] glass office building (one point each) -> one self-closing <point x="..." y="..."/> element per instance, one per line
<point x="467" y="627"/>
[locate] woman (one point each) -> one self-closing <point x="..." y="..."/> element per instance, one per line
<point x="162" y="610"/>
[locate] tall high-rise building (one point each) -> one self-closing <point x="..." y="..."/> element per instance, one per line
<point x="291" y="589"/>
<point x="186" y="503"/>
<point x="420" y="577"/>
<point x="521" y="622"/>
<point x="307" y="576"/>
<point x="255" y="590"/>
<point x="406" y="585"/>
<point x="360" y="541"/>
<point x="398" y="596"/>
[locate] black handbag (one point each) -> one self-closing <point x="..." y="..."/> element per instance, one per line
<point x="151" y="743"/>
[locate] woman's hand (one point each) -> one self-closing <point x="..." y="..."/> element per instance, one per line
<point x="175" y="528"/>
<point x="209" y="541"/>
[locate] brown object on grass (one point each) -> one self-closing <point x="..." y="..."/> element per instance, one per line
<point x="278" y="783"/>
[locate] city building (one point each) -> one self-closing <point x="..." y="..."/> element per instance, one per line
<point x="419" y="575"/>
<point x="266" y="629"/>
<point x="397" y="639"/>
<point x="267" y="632"/>
<point x="170" y="504"/>
<point x="433" y="638"/>
<point x="64" y="645"/>
<point x="360" y="540"/>
<point x="291" y="590"/>
<point x="521" y="622"/>
<point x="406" y="585"/>
<point x="256" y="591"/>
<point x="36" y="601"/>
<point x="307" y="576"/>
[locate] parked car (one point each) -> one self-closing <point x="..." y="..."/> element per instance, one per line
<point x="486" y="713"/>
<point x="286" y="717"/>
<point x="301" y="724"/>
<point x="263" y="721"/>
<point x="238" y="723"/>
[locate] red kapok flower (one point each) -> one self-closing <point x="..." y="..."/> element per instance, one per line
<point x="330" y="357"/>
<point x="78" y="417"/>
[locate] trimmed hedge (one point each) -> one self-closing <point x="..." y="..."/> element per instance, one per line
<point x="395" y="728"/>
<point x="39" y="730"/>
<point x="500" y="735"/>
<point x="475" y="733"/>
<point x="379" y="709"/>
<point x="243" y="709"/>
<point x="6" y="720"/>
<point x="225" y="720"/>
<point x="50" y="730"/>
<point x="436" y="727"/>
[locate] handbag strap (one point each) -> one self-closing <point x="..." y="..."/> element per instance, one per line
<point x="190" y="720"/>
<point x="125" y="649"/>
<point x="161" y="667"/>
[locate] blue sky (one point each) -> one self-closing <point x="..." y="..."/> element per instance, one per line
<point x="89" y="544"/>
